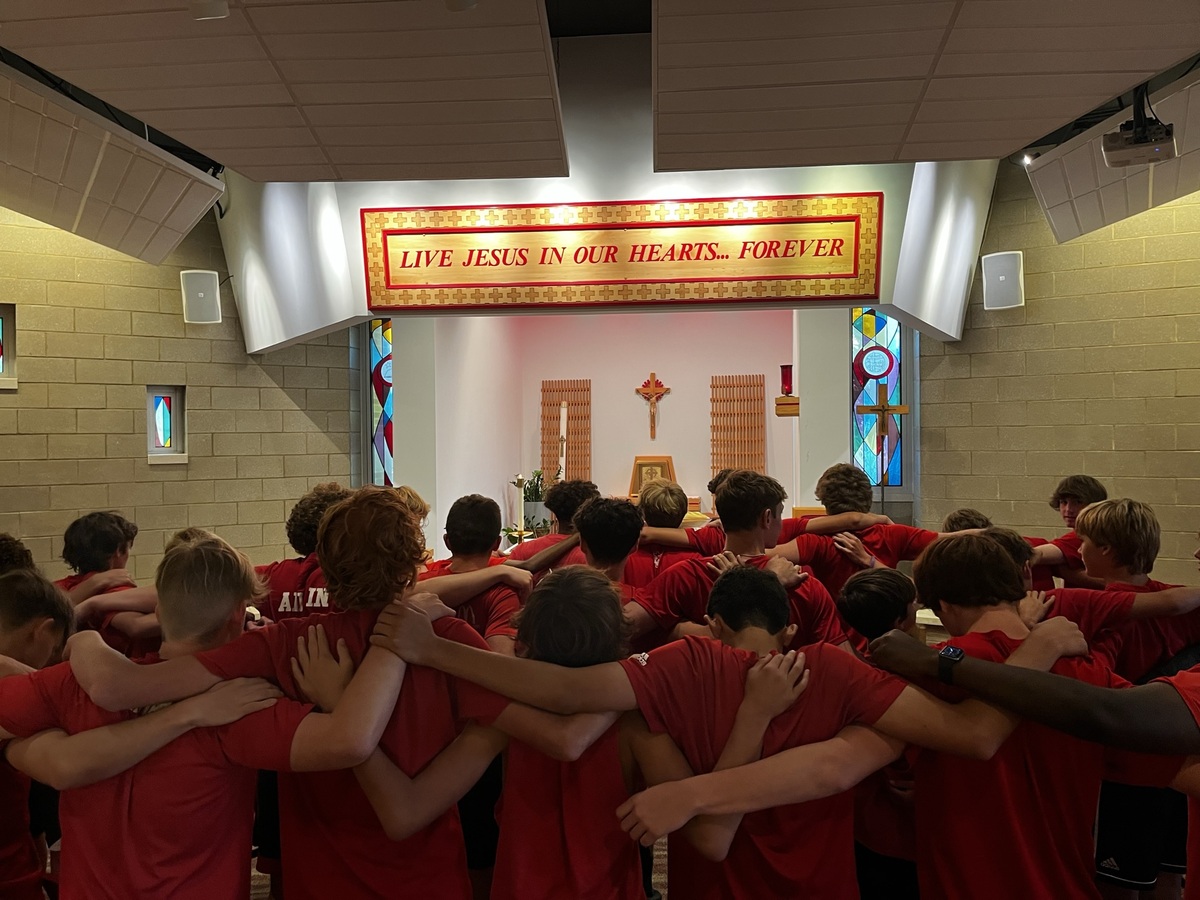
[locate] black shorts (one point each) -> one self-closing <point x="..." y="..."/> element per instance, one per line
<point x="884" y="877"/>
<point x="266" y="823"/>
<point x="1140" y="831"/>
<point x="477" y="809"/>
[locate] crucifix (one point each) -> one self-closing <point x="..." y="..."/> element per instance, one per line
<point x="881" y="409"/>
<point x="653" y="390"/>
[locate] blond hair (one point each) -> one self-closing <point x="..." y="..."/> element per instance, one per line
<point x="663" y="503"/>
<point x="187" y="536"/>
<point x="200" y="584"/>
<point x="1128" y="527"/>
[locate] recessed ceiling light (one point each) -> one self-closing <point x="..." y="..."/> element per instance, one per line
<point x="202" y="10"/>
<point x="460" y="5"/>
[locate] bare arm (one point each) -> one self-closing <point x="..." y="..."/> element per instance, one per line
<point x="405" y="805"/>
<point x="98" y="584"/>
<point x="556" y="688"/>
<point x="798" y="775"/>
<point x="455" y="590"/>
<point x="1171" y="602"/>
<point x="136" y="625"/>
<point x="667" y="537"/>
<point x="143" y="600"/>
<point x="848" y="521"/>
<point x="564" y="738"/>
<point x="114" y="682"/>
<point x="637" y="619"/>
<point x="547" y="557"/>
<point x="65" y="761"/>
<point x="1151" y="718"/>
<point x="1047" y="555"/>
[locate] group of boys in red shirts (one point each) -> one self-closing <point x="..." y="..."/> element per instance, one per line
<point x="380" y="715"/>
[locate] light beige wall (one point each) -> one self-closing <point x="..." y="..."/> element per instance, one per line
<point x="94" y="328"/>
<point x="1099" y="373"/>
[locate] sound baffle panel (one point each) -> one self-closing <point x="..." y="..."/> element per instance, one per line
<point x="578" y="395"/>
<point x="739" y="422"/>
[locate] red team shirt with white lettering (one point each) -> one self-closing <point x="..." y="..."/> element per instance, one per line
<point x="798" y="850"/>
<point x="297" y="588"/>
<point x="490" y="612"/>
<point x="178" y="824"/>
<point x="333" y="844"/>
<point x="680" y="594"/>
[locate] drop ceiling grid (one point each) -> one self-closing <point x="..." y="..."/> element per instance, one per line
<point x="980" y="83"/>
<point x="318" y="90"/>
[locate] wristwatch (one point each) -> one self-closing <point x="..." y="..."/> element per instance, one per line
<point x="948" y="658"/>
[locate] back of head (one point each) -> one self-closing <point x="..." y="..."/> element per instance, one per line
<point x="1129" y="527"/>
<point x="610" y="529"/>
<point x="305" y="517"/>
<point x="200" y="584"/>
<point x="414" y="501"/>
<point x="573" y="618"/>
<point x="962" y="519"/>
<point x="1082" y="488"/>
<point x="90" y="541"/>
<point x="473" y="525"/>
<point x="1019" y="549"/>
<point x="663" y="503"/>
<point x="874" y="601"/>
<point x="27" y="595"/>
<point x="188" y="536"/>
<point x="717" y="480"/>
<point x="744" y="495"/>
<point x="746" y="597"/>
<point x="967" y="570"/>
<point x="14" y="554"/>
<point x="369" y="547"/>
<point x="845" y="488"/>
<point x="565" y="497"/>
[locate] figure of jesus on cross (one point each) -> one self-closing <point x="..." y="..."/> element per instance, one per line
<point x="653" y="390"/>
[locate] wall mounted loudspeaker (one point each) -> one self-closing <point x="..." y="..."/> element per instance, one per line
<point x="1004" y="280"/>
<point x="201" y="297"/>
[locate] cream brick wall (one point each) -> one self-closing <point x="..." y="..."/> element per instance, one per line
<point x="93" y="329"/>
<point x="1099" y="373"/>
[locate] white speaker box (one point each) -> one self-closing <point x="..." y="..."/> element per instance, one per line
<point x="201" y="297"/>
<point x="1004" y="280"/>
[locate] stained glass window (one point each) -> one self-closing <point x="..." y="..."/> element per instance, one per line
<point x="162" y="422"/>
<point x="1" y="345"/>
<point x="381" y="401"/>
<point x="877" y="441"/>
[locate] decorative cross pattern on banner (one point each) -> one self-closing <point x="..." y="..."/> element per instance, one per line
<point x="661" y="253"/>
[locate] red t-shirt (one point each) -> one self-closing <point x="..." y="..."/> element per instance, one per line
<point x="884" y="819"/>
<point x="1043" y="576"/>
<point x="20" y="868"/>
<point x="680" y="594"/>
<point x="118" y="640"/>
<point x="176" y="825"/>
<point x="559" y="837"/>
<point x="297" y="588"/>
<point x="1069" y="544"/>
<point x="799" y="850"/>
<point x="888" y="543"/>
<point x="1187" y="684"/>
<point x="333" y="845"/>
<point x="1100" y="615"/>
<point x="1019" y="825"/>
<point x="489" y="613"/>
<point x="708" y="540"/>
<point x="649" y="561"/>
<point x="1145" y="644"/>
<point x="530" y="548"/>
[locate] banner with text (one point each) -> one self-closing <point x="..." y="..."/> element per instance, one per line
<point x="643" y="253"/>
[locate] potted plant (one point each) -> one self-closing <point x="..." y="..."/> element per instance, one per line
<point x="536" y="517"/>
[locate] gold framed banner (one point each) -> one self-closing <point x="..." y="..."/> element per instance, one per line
<point x="644" y="253"/>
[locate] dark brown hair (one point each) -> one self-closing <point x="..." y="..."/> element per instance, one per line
<point x="967" y="570"/>
<point x="962" y="519"/>
<point x="13" y="554"/>
<point x="1016" y="546"/>
<point x="610" y="528"/>
<point x="369" y="547"/>
<point x="745" y="596"/>
<point x="874" y="600"/>
<point x="573" y="618"/>
<point x="26" y="594"/>
<point x="1083" y="488"/>
<point x="743" y="496"/>
<point x="564" y="499"/>
<point x="90" y="541"/>
<point x="844" y="488"/>
<point x="472" y="525"/>
<point x="305" y="517"/>
<point x="717" y="480"/>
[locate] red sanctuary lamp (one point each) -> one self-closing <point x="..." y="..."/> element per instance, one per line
<point x="786" y="404"/>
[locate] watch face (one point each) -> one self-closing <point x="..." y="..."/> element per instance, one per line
<point x="952" y="653"/>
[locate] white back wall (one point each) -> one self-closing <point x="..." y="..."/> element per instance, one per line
<point x="618" y="351"/>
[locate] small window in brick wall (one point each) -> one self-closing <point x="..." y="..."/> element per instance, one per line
<point x="166" y="416"/>
<point x="8" y="347"/>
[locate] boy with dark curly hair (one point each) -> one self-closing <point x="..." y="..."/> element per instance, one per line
<point x="563" y="499"/>
<point x="14" y="554"/>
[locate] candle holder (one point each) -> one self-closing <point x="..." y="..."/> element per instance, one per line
<point x="785" y="380"/>
<point x="786" y="405"/>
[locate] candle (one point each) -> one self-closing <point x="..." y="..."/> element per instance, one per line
<point x="785" y="380"/>
<point x="562" y="440"/>
<point x="519" y="481"/>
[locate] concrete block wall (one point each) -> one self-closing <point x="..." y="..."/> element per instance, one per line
<point x="94" y="328"/>
<point x="1098" y="373"/>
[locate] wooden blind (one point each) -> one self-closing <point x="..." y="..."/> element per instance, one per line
<point x="578" y="394"/>
<point x="739" y="422"/>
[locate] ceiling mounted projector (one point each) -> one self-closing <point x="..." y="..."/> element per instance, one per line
<point x="1140" y="141"/>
